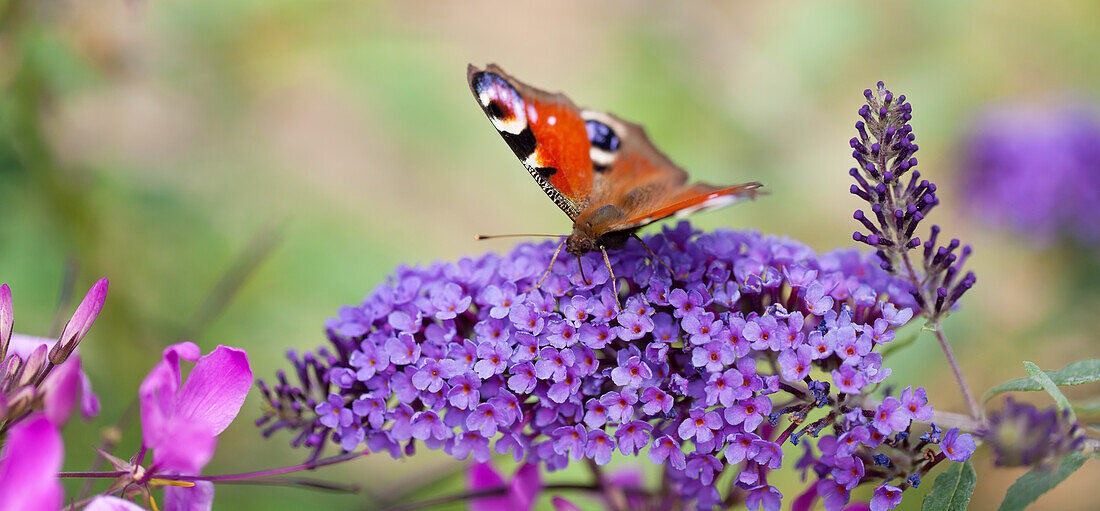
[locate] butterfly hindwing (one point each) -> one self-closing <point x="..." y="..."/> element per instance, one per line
<point x="688" y="200"/>
<point x="640" y="182"/>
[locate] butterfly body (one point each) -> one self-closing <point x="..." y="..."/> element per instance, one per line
<point x="602" y="171"/>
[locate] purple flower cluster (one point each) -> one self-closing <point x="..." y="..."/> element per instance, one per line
<point x="1020" y="434"/>
<point x="1036" y="169"/>
<point x="884" y="151"/>
<point x="696" y="371"/>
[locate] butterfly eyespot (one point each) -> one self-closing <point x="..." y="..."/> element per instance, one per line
<point x="602" y="136"/>
<point x="604" y="144"/>
<point x="501" y="102"/>
<point x="498" y="110"/>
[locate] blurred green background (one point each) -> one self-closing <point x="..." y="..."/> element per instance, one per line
<point x="160" y="143"/>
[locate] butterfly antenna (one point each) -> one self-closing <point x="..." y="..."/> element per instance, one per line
<point x="671" y="273"/>
<point x="614" y="287"/>
<point x="548" y="268"/>
<point x="494" y="236"/>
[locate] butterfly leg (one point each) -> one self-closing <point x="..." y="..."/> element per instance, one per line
<point x="548" y="268"/>
<point x="671" y="273"/>
<point x="614" y="285"/>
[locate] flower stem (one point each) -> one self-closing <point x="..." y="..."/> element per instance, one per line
<point x="490" y="492"/>
<point x="274" y="471"/>
<point x="971" y="403"/>
<point x="918" y="285"/>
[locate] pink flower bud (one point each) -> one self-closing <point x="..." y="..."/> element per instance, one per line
<point x="7" y="320"/>
<point x="81" y="322"/>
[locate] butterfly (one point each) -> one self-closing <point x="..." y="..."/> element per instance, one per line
<point x="602" y="171"/>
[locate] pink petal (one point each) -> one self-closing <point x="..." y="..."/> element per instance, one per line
<point x="215" y="389"/>
<point x="525" y="486"/>
<point x="806" y="501"/>
<point x="61" y="387"/>
<point x="561" y="504"/>
<point x="86" y="312"/>
<point x="24" y="345"/>
<point x="108" y="503"/>
<point x="196" y="498"/>
<point x="29" y="463"/>
<point x="189" y="450"/>
<point x="89" y="401"/>
<point x="158" y="392"/>
<point x="481" y="476"/>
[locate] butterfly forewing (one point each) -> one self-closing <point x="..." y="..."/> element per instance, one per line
<point x="544" y="130"/>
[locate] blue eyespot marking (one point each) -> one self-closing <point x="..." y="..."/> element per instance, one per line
<point x="602" y="136"/>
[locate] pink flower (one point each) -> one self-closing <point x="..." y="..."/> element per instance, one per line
<point x="29" y="463"/>
<point x="180" y="423"/>
<point x="62" y="385"/>
<point x="523" y="489"/>
<point x="57" y="393"/>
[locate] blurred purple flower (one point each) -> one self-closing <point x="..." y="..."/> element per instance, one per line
<point x="1021" y="434"/>
<point x="1036" y="169"/>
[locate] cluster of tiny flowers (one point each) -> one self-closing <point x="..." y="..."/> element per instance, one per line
<point x="1021" y="434"/>
<point x="696" y="370"/>
<point x="884" y="151"/>
<point x="1037" y="170"/>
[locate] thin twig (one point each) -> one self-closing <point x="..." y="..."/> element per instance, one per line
<point x="258" y="249"/>
<point x="492" y="492"/>
<point x="275" y="471"/>
<point x="971" y="403"/>
<point x="313" y="484"/>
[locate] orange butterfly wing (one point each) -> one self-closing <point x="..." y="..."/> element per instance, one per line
<point x="544" y="130"/>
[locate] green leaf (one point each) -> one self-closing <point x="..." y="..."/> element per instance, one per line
<point x="1051" y="388"/>
<point x="952" y="489"/>
<point x="1077" y="373"/>
<point x="1038" y="481"/>
<point x="1088" y="407"/>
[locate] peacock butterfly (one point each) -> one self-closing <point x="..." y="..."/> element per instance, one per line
<point x="600" y="170"/>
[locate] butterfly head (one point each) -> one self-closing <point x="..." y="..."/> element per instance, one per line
<point x="591" y="231"/>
